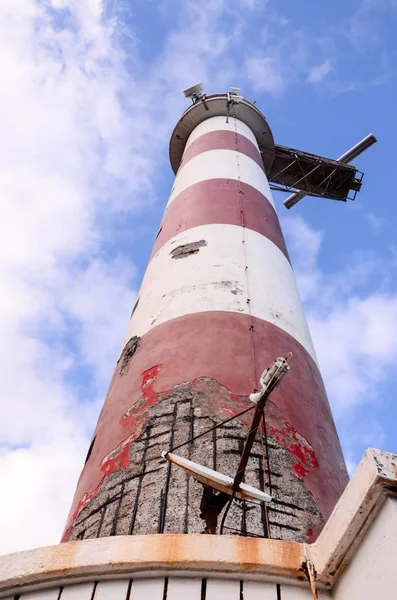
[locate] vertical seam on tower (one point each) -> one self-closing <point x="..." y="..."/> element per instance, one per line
<point x="251" y="326"/>
<point x="241" y="199"/>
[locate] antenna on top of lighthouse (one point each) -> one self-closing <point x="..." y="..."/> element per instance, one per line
<point x="288" y="169"/>
<point x="195" y="92"/>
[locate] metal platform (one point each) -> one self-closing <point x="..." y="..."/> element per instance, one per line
<point x="314" y="175"/>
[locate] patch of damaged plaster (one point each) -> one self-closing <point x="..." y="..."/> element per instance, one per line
<point x="187" y="249"/>
<point x="141" y="493"/>
<point x="233" y="286"/>
<point x="128" y="352"/>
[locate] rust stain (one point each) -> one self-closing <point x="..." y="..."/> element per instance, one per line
<point x="261" y="555"/>
<point x="62" y="557"/>
<point x="107" y="556"/>
<point x="249" y="553"/>
<point x="394" y="468"/>
<point x="223" y="553"/>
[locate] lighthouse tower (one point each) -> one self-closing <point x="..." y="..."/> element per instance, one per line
<point x="217" y="317"/>
<point x="218" y="303"/>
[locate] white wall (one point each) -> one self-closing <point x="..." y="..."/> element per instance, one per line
<point x="372" y="573"/>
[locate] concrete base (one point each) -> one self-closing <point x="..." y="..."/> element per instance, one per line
<point x="352" y="558"/>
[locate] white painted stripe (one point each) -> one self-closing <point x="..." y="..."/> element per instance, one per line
<point x="112" y="590"/>
<point x="46" y="594"/>
<point x="219" y="124"/>
<point x="215" y="279"/>
<point x="258" y="590"/>
<point x="223" y="589"/>
<point x="183" y="589"/>
<point x="221" y="164"/>
<point x="80" y="591"/>
<point x="147" y="589"/>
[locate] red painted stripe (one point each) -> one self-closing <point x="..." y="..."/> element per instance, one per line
<point x="218" y="345"/>
<point x="221" y="140"/>
<point x="215" y="201"/>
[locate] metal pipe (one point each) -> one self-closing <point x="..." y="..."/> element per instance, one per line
<point x="347" y="157"/>
<point x="358" y="149"/>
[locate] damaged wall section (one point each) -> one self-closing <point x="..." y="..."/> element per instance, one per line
<point x="128" y="352"/>
<point x="187" y="249"/>
<point x="149" y="495"/>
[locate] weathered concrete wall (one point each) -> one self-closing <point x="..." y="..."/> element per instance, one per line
<point x="217" y="305"/>
<point x="353" y="558"/>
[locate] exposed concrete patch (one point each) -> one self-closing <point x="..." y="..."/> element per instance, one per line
<point x="144" y="494"/>
<point x="128" y="352"/>
<point x="187" y="249"/>
<point x="353" y="556"/>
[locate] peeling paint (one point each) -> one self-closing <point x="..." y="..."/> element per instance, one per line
<point x="149" y="397"/>
<point x="185" y="250"/>
<point x="192" y="289"/>
<point x="292" y="441"/>
<point x="128" y="352"/>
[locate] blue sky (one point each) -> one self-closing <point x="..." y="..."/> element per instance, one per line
<point x="91" y="92"/>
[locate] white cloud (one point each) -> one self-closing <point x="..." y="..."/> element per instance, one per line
<point x="304" y="244"/>
<point x="63" y="154"/>
<point x="376" y="223"/>
<point x="82" y="140"/>
<point x="319" y="72"/>
<point x="353" y="324"/>
<point x="363" y="26"/>
<point x="100" y="303"/>
<point x="253" y="4"/>
<point x="198" y="50"/>
<point x="265" y="75"/>
<point x="356" y="347"/>
<point x="36" y="488"/>
<point x="284" y="58"/>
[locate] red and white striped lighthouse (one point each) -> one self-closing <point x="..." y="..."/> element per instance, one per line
<point x="218" y="303"/>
